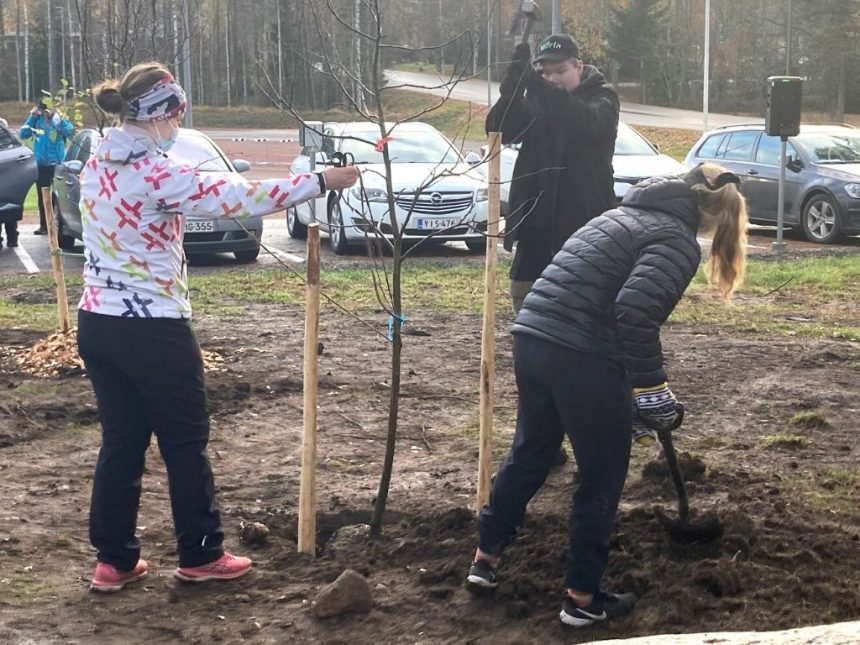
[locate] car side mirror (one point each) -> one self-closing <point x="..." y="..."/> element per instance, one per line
<point x="74" y="166"/>
<point x="794" y="164"/>
<point x="241" y="165"/>
<point x="473" y="158"/>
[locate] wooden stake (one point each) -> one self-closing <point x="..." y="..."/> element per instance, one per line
<point x="307" y="488"/>
<point x="488" y="332"/>
<point x="56" y="263"/>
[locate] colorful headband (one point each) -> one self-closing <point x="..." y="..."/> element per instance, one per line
<point x="162" y="101"/>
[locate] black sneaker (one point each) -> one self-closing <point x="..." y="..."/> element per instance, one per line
<point x="482" y="575"/>
<point x="40" y="231"/>
<point x="605" y="606"/>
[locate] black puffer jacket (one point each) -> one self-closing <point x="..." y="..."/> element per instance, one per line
<point x="565" y="162"/>
<point x="618" y="278"/>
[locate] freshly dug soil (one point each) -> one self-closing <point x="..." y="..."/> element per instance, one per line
<point x="789" y="555"/>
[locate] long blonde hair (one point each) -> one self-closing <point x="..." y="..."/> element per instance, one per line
<point x="724" y="214"/>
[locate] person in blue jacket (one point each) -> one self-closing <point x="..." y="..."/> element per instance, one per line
<point x="50" y="130"/>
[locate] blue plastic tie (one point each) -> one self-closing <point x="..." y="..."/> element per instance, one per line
<point x="403" y="320"/>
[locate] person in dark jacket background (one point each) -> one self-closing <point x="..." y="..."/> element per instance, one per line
<point x="50" y="130"/>
<point x="566" y="118"/>
<point x="587" y="353"/>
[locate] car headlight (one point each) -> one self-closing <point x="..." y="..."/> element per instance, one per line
<point x="482" y="194"/>
<point x="853" y="190"/>
<point x="369" y="194"/>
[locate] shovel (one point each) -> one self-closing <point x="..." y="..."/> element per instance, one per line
<point x="682" y="530"/>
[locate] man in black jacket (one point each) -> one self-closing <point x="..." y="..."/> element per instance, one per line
<point x="566" y="118"/>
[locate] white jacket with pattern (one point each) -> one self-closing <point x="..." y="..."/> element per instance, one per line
<point x="133" y="203"/>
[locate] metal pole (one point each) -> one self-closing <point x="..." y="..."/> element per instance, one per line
<point x="556" y="16"/>
<point x="779" y="245"/>
<point x="186" y="65"/>
<point x="489" y="53"/>
<point x="788" y="43"/>
<point x="280" y="56"/>
<point x="707" y="66"/>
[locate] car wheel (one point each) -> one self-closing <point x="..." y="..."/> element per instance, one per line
<point x="247" y="256"/>
<point x="295" y="228"/>
<point x="820" y="220"/>
<point x="65" y="242"/>
<point x="477" y="246"/>
<point x="336" y="230"/>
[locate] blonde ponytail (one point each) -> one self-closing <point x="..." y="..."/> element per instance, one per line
<point x="724" y="214"/>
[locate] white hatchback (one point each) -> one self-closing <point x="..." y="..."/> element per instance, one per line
<point x="437" y="194"/>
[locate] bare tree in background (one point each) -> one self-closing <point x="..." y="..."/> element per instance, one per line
<point x="389" y="251"/>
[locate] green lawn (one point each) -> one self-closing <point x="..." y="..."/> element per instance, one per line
<point x="32" y="201"/>
<point x="813" y="297"/>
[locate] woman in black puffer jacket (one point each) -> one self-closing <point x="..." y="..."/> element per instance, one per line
<point x="587" y="353"/>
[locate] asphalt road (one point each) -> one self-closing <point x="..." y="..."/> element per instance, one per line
<point x="475" y="90"/>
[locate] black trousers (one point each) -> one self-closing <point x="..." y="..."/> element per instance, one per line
<point x="586" y="397"/>
<point x="44" y="180"/>
<point x="11" y="227"/>
<point x="147" y="374"/>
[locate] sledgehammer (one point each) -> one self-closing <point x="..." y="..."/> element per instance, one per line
<point x="528" y="14"/>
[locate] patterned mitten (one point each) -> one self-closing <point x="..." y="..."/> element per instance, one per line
<point x="656" y="406"/>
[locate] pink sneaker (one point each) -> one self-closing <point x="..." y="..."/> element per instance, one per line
<point x="108" y="579"/>
<point x="227" y="567"/>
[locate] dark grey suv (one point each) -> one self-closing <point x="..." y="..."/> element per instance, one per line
<point x="17" y="174"/>
<point x="822" y="178"/>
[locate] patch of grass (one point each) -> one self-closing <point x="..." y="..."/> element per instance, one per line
<point x="454" y="289"/>
<point x="789" y="441"/>
<point x="32" y="202"/>
<point x="817" y="301"/>
<point x="672" y="142"/>
<point x="834" y="275"/>
<point x="37" y="317"/>
<point x="41" y="314"/>
<point x="835" y="478"/>
<point x="812" y="419"/>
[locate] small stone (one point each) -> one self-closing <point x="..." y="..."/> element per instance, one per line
<point x="350" y="593"/>
<point x="254" y="534"/>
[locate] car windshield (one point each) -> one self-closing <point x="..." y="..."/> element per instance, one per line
<point x="199" y="153"/>
<point x="408" y="146"/>
<point x="830" y="148"/>
<point x="630" y="142"/>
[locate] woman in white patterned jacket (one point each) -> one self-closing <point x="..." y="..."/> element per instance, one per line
<point x="134" y="331"/>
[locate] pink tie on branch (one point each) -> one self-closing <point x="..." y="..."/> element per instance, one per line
<point x="380" y="145"/>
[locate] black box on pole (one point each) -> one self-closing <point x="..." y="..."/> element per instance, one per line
<point x="782" y="118"/>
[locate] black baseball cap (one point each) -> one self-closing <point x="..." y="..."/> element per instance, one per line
<point x="556" y="48"/>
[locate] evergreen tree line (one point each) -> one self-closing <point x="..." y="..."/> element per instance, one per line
<point x="245" y="52"/>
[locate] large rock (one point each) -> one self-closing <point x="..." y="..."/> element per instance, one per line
<point x="837" y="634"/>
<point x="350" y="593"/>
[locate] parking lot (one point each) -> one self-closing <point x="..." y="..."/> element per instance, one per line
<point x="270" y="156"/>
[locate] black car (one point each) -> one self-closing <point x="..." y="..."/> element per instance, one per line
<point x="202" y="236"/>
<point x="17" y="175"/>
<point x="822" y="178"/>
